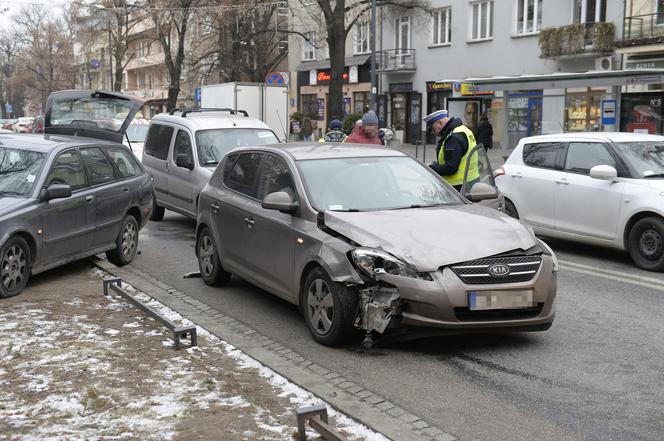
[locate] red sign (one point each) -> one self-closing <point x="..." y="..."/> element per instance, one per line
<point x="324" y="76"/>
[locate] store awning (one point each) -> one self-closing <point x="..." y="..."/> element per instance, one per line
<point x="563" y="80"/>
<point x="356" y="60"/>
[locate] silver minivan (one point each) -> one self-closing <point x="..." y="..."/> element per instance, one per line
<point x="182" y="149"/>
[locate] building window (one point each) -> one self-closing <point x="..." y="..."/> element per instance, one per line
<point x="481" y="20"/>
<point x="528" y="16"/>
<point x="362" y="37"/>
<point x="442" y="33"/>
<point x="282" y="8"/>
<point x="660" y="11"/>
<point x="141" y="48"/>
<point x="589" y="11"/>
<point x="361" y="101"/>
<point x="309" y="46"/>
<point x="402" y="34"/>
<point x="310" y="105"/>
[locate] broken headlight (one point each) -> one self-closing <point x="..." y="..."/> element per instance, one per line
<point x="371" y="262"/>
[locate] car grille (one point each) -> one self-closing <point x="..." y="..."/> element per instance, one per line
<point x="476" y="272"/>
<point x="464" y="314"/>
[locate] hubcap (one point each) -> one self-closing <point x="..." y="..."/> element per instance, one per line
<point x="129" y="240"/>
<point x="650" y="244"/>
<point x="320" y="306"/>
<point x="13" y="267"/>
<point x="206" y="256"/>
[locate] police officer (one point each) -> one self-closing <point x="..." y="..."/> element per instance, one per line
<point x="456" y="142"/>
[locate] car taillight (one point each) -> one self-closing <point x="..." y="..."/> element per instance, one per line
<point x="500" y="171"/>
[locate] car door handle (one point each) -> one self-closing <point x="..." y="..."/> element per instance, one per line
<point x="125" y="189"/>
<point x="215" y="207"/>
<point x="249" y="221"/>
<point x="562" y="181"/>
<point x="89" y="199"/>
<point x="517" y="175"/>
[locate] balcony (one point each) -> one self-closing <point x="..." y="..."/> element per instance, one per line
<point x="139" y="62"/>
<point x="396" y="60"/>
<point x="640" y="30"/>
<point x="577" y="40"/>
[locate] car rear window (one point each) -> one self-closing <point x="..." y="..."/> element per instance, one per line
<point x="542" y="154"/>
<point x="158" y="141"/>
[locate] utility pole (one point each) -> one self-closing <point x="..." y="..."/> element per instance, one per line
<point x="372" y="42"/>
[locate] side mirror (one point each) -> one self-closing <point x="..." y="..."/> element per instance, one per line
<point x="56" y="191"/>
<point x="279" y="200"/>
<point x="481" y="192"/>
<point x="605" y="172"/>
<point x="184" y="161"/>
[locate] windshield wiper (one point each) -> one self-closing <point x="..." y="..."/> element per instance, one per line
<point x="348" y="210"/>
<point x="654" y="175"/>
<point x="211" y="163"/>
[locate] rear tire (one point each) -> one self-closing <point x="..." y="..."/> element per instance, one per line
<point x="209" y="264"/>
<point x="329" y="309"/>
<point x="15" y="266"/>
<point x="510" y="209"/>
<point x="645" y="243"/>
<point x="157" y="212"/>
<point x="126" y="244"/>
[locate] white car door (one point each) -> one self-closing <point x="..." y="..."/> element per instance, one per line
<point x="584" y="205"/>
<point x="534" y="183"/>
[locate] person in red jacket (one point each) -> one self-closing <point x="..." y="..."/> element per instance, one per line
<point x="367" y="132"/>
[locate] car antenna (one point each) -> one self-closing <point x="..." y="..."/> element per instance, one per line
<point x="129" y="142"/>
<point x="283" y="127"/>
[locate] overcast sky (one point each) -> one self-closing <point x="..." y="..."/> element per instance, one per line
<point x="11" y="7"/>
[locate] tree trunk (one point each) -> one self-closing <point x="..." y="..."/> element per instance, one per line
<point x="119" y="74"/>
<point x="336" y="40"/>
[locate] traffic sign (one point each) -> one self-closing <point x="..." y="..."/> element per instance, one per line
<point x="9" y="108"/>
<point x="197" y="95"/>
<point x="608" y="112"/>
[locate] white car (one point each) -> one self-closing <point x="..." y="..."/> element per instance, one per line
<point x="597" y="188"/>
<point x="23" y="125"/>
<point x="135" y="136"/>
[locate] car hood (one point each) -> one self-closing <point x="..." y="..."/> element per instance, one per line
<point x="7" y="203"/>
<point x="429" y="238"/>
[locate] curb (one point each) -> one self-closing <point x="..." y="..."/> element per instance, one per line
<point x="364" y="406"/>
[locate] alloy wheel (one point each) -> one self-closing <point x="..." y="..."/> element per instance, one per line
<point x="13" y="267"/>
<point x="129" y="240"/>
<point x="206" y="255"/>
<point x="320" y="306"/>
<point x="651" y="244"/>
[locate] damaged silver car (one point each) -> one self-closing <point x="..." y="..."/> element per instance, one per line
<point x="369" y="239"/>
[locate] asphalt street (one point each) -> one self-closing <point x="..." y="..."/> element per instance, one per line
<point x="595" y="375"/>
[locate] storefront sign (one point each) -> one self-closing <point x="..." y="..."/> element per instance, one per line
<point x="653" y="63"/>
<point x="609" y="112"/>
<point x="401" y="87"/>
<point x="471" y="89"/>
<point x="321" y="109"/>
<point x="353" y="76"/>
<point x="652" y="79"/>
<point x="433" y="86"/>
<point x="324" y="77"/>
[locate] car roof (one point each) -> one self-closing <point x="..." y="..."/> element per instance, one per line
<point x="301" y="151"/>
<point x="211" y="120"/>
<point x="46" y="143"/>
<point x="593" y="136"/>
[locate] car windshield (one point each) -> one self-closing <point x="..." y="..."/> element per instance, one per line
<point x="213" y="144"/>
<point x="374" y="183"/>
<point x="646" y="157"/>
<point x="137" y="132"/>
<point x="19" y="170"/>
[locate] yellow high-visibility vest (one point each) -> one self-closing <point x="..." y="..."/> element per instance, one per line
<point x="473" y="172"/>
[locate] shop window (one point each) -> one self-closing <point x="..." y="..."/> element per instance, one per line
<point x="640" y="113"/>
<point x="361" y="102"/>
<point x="583" y="112"/>
<point x="442" y="32"/>
<point x="528" y="16"/>
<point x="589" y="11"/>
<point x="310" y="105"/>
<point x="362" y="43"/>
<point x="309" y="46"/>
<point x="481" y="20"/>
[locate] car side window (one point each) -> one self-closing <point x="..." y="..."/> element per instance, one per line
<point x="243" y="175"/>
<point x="124" y="161"/>
<point x="99" y="167"/>
<point x="275" y="176"/>
<point x="543" y="154"/>
<point x="582" y="156"/>
<point x="182" y="145"/>
<point x="158" y="141"/>
<point x="67" y="169"/>
<point x="218" y="176"/>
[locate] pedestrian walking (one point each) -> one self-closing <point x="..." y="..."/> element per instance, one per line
<point x="484" y="132"/>
<point x="307" y="129"/>
<point x="367" y="133"/>
<point x="455" y="143"/>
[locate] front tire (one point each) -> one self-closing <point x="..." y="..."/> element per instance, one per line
<point x="209" y="264"/>
<point x="126" y="244"/>
<point x="510" y="209"/>
<point x="329" y="309"/>
<point x="646" y="244"/>
<point x="15" y="266"/>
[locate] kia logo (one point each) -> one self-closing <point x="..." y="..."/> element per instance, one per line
<point x="499" y="270"/>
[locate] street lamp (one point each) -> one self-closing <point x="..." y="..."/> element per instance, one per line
<point x="372" y="42"/>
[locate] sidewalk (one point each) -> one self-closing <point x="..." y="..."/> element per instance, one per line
<point x="77" y="365"/>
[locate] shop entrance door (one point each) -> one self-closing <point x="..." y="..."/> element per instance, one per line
<point x="400" y="115"/>
<point x="415" y="127"/>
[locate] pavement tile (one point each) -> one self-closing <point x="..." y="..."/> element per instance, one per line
<point x="445" y="437"/>
<point x="306" y="363"/>
<point x="374" y="399"/>
<point x="396" y="412"/>
<point x="355" y="389"/>
<point x="331" y="375"/>
<point x="346" y="384"/>
<point x="337" y="380"/>
<point x="408" y="418"/>
<point x="385" y="405"/>
<point x="363" y="394"/>
<point x="420" y="424"/>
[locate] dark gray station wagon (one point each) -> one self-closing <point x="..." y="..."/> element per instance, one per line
<point x="71" y="193"/>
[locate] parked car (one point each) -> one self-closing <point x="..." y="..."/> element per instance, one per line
<point x="182" y="149"/>
<point x="7" y="124"/>
<point x="23" y="125"/>
<point x="367" y="238"/>
<point x="72" y="194"/>
<point x="596" y="188"/>
<point x="136" y="134"/>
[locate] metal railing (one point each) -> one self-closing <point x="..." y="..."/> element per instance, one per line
<point x="643" y="27"/>
<point x="316" y="416"/>
<point x="395" y="60"/>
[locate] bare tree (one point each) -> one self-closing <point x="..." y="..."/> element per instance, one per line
<point x="9" y="49"/>
<point x="171" y="18"/>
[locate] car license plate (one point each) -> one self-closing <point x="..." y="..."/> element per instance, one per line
<point x="482" y="300"/>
